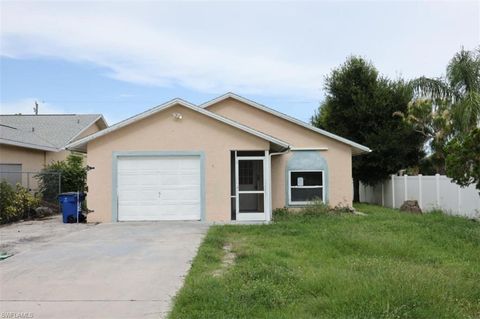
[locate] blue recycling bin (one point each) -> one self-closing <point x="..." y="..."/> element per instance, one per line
<point x="71" y="204"/>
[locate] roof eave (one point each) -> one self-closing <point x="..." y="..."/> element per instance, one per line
<point x="28" y="145"/>
<point x="81" y="143"/>
<point x="361" y="149"/>
<point x="99" y="118"/>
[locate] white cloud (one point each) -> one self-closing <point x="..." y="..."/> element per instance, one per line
<point x="25" y="106"/>
<point x="277" y="49"/>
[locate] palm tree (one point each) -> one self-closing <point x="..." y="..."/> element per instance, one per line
<point x="459" y="91"/>
<point x="447" y="107"/>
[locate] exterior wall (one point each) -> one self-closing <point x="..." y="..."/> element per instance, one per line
<point x="56" y="156"/>
<point x="31" y="160"/>
<point x="338" y="155"/>
<point x="161" y="132"/>
<point x="94" y="128"/>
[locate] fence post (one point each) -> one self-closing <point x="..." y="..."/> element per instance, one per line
<point x="59" y="183"/>
<point x="459" y="197"/>
<point x="437" y="188"/>
<point x="365" y="193"/>
<point x="383" y="195"/>
<point x="393" y="191"/>
<point x="420" y="203"/>
<point x="405" y="187"/>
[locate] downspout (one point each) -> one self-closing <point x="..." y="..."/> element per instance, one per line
<point x="286" y="151"/>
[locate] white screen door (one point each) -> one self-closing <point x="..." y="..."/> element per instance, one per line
<point x="250" y="188"/>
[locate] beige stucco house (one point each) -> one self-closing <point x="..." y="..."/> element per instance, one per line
<point x="28" y="142"/>
<point x="228" y="159"/>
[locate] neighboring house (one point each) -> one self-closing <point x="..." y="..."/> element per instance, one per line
<point x="29" y="142"/>
<point x="228" y="159"/>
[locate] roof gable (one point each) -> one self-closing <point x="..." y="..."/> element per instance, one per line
<point x="81" y="143"/>
<point x="356" y="148"/>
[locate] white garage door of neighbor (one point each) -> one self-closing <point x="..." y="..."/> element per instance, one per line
<point x="159" y="188"/>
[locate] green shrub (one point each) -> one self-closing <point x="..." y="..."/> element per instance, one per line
<point x="315" y="208"/>
<point x="16" y="203"/>
<point x="73" y="177"/>
<point x="280" y="213"/>
<point x="6" y="196"/>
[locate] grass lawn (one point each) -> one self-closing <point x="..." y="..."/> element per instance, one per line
<point x="384" y="265"/>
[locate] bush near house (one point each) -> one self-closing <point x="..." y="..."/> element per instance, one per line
<point x="73" y="177"/>
<point x="16" y="203"/>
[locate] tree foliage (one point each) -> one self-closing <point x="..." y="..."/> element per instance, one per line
<point x="447" y="111"/>
<point x="463" y="159"/>
<point x="73" y="177"/>
<point x="360" y="105"/>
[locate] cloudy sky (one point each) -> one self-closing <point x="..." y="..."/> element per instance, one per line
<point x="120" y="58"/>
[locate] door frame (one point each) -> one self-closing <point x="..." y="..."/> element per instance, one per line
<point x="120" y="154"/>
<point x="266" y="215"/>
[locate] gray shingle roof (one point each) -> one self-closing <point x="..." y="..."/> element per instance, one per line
<point x="11" y="135"/>
<point x="49" y="130"/>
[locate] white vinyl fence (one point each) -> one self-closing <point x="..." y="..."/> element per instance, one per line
<point x="431" y="192"/>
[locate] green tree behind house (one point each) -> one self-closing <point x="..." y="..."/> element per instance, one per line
<point x="360" y="105"/>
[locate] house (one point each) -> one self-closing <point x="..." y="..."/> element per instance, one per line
<point x="228" y="159"/>
<point x="29" y="142"/>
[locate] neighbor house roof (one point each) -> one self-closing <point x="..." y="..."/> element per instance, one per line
<point x="81" y="143"/>
<point x="356" y="148"/>
<point x="45" y="131"/>
<point x="13" y="136"/>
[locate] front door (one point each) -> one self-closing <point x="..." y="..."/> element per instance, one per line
<point x="250" y="188"/>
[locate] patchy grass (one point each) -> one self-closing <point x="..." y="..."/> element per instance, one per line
<point x="384" y="265"/>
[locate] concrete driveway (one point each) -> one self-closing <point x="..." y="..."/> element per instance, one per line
<point x="120" y="270"/>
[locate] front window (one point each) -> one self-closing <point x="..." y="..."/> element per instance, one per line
<point x="305" y="187"/>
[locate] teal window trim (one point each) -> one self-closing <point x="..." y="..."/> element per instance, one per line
<point x="116" y="155"/>
<point x="306" y="160"/>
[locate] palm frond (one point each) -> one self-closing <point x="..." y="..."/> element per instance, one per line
<point x="434" y="89"/>
<point x="466" y="112"/>
<point x="463" y="72"/>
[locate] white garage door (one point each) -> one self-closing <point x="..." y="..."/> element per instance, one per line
<point x="159" y="188"/>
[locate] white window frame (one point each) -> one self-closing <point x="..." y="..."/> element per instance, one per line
<point x="290" y="202"/>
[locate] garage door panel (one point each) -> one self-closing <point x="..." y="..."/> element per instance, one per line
<point x="159" y="188"/>
<point x="167" y="178"/>
<point x="183" y="195"/>
<point x="126" y="179"/>
<point x="135" y="196"/>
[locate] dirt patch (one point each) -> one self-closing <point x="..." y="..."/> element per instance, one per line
<point x="22" y="236"/>
<point x="227" y="261"/>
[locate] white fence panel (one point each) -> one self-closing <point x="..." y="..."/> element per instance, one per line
<point x="431" y="192"/>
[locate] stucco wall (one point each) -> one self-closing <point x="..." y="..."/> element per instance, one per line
<point x="338" y="155"/>
<point x="56" y="156"/>
<point x="31" y="160"/>
<point x="95" y="127"/>
<point x="161" y="132"/>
